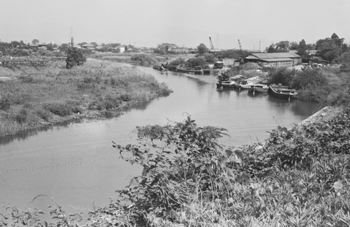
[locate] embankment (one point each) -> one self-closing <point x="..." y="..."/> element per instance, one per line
<point x="32" y="97"/>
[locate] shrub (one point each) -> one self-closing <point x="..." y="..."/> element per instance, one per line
<point x="21" y="116"/>
<point x="5" y="103"/>
<point x="142" y="58"/>
<point x="186" y="160"/>
<point x="309" y="79"/>
<point x="43" y="113"/>
<point x="281" y="75"/>
<point x="59" y="109"/>
<point x="74" y="57"/>
<point x="197" y="61"/>
<point x="177" y="62"/>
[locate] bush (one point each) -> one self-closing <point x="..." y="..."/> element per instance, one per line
<point x="281" y="75"/>
<point x="43" y="113"/>
<point x="177" y="62"/>
<point x="196" y="62"/>
<point x="309" y="79"/>
<point x="21" y="116"/>
<point x="74" y="57"/>
<point x="59" y="109"/>
<point x="143" y="58"/>
<point x="5" y="103"/>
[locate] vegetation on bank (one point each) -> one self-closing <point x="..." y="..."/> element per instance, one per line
<point x="298" y="177"/>
<point x="36" y="96"/>
<point x="327" y="85"/>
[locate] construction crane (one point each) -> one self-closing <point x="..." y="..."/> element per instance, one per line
<point x="240" y="47"/>
<point x="211" y="44"/>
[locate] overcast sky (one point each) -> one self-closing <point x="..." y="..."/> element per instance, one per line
<point x="183" y="22"/>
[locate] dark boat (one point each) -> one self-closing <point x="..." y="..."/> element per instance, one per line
<point x="218" y="65"/>
<point x="282" y="92"/>
<point x="158" y="67"/>
<point x="206" y="71"/>
<point x="189" y="71"/>
<point x="258" y="88"/>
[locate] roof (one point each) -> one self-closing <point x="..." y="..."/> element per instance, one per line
<point x="313" y="52"/>
<point x="276" y="59"/>
<point x="251" y="57"/>
<point x="88" y="45"/>
<point x="275" y="55"/>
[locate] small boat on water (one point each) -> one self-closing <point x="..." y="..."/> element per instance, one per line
<point x="158" y="67"/>
<point x="258" y="88"/>
<point x="282" y="92"/>
<point x="248" y="83"/>
<point x="189" y="71"/>
<point x="228" y="82"/>
<point x="218" y="65"/>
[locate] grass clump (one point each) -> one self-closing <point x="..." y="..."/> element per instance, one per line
<point x="60" y="109"/>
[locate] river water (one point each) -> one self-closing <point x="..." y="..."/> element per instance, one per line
<point x="77" y="166"/>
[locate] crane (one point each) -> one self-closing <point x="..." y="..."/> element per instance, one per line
<point x="240" y="47"/>
<point x="211" y="44"/>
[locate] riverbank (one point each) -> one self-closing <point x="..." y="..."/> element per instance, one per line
<point x="35" y="97"/>
<point x="297" y="178"/>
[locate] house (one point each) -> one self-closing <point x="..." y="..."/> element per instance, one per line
<point x="181" y="50"/>
<point x="88" y="46"/>
<point x="311" y="53"/>
<point x="228" y="61"/>
<point x="284" y="59"/>
<point x="121" y="48"/>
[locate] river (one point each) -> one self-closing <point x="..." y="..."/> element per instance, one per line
<point x="77" y="166"/>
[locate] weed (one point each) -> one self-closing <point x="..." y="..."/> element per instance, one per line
<point x="59" y="109"/>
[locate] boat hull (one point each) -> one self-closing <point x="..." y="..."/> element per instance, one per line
<point x="225" y="85"/>
<point x="282" y="93"/>
<point x="188" y="71"/>
<point x="257" y="88"/>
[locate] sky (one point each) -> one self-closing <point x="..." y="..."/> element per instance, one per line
<point x="147" y="23"/>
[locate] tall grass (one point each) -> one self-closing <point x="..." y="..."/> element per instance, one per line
<point x="54" y="93"/>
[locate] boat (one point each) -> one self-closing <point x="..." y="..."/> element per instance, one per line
<point x="206" y="71"/>
<point x="248" y="83"/>
<point x="282" y="92"/>
<point x="258" y="88"/>
<point x="218" y="65"/>
<point x="228" y="82"/>
<point x="158" y="67"/>
<point x="189" y="71"/>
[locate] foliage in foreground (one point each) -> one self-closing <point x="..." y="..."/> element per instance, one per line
<point x="299" y="177"/>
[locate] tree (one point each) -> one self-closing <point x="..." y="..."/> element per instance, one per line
<point x="282" y="46"/>
<point x="74" y="57"/>
<point x="197" y="61"/>
<point x="330" y="48"/>
<point x="293" y="46"/>
<point x="15" y="44"/>
<point x="345" y="62"/>
<point x="35" y="41"/>
<point x="202" y="49"/>
<point x="63" y="47"/>
<point x="302" y="50"/>
<point x="271" y="48"/>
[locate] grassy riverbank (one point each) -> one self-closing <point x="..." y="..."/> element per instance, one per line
<point x="31" y="97"/>
<point x="298" y="177"/>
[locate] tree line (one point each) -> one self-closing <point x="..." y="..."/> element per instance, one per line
<point x="329" y="48"/>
